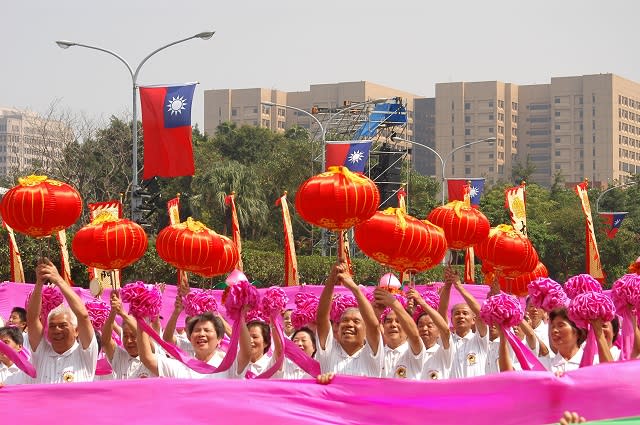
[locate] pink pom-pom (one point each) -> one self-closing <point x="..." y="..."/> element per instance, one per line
<point x="199" y="301"/>
<point x="145" y="300"/>
<point x="98" y="312"/>
<point x="580" y="284"/>
<point x="625" y="293"/>
<point x="256" y="315"/>
<point x="432" y="298"/>
<point x="547" y="294"/>
<point x="339" y="304"/>
<point x="239" y="295"/>
<point x="590" y="306"/>
<point x="51" y="298"/>
<point x="306" y="309"/>
<point x="274" y="301"/>
<point x="503" y="310"/>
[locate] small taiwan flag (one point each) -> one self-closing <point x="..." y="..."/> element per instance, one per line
<point x="352" y="155"/>
<point x="456" y="187"/>
<point x="613" y="221"/>
<point x="166" y="124"/>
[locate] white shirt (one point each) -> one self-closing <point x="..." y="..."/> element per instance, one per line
<point x="400" y="362"/>
<point x="493" y="355"/>
<point x="262" y="364"/>
<point x="470" y="355"/>
<point x="74" y="365"/>
<point x="438" y="361"/>
<point x="615" y="353"/>
<point x="127" y="367"/>
<point x="171" y="368"/>
<point x="542" y="332"/>
<point x="183" y="343"/>
<point x="290" y="370"/>
<point x="558" y="364"/>
<point x="7" y="371"/>
<point x="363" y="362"/>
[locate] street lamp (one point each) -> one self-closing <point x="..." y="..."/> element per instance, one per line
<point x="443" y="161"/>
<point x="609" y="189"/>
<point x="64" y="44"/>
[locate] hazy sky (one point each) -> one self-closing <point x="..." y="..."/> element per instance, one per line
<point x="290" y="44"/>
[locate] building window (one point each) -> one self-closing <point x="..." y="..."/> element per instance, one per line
<point x="467" y="118"/>
<point x="557" y="153"/>
<point x="557" y="113"/>
<point x="490" y="104"/>
<point x="557" y="140"/>
<point x="467" y="106"/>
<point x="556" y="100"/>
<point x="467" y="171"/>
<point x="467" y="132"/>
<point x="234" y="112"/>
<point x="514" y="106"/>
<point x="491" y="130"/>
<point x="491" y="117"/>
<point x="557" y="127"/>
<point x="467" y="157"/>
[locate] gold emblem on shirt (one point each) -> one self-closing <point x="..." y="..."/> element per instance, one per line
<point x="471" y="359"/>
<point x="68" y="376"/>
<point x="434" y="374"/>
<point x="401" y="372"/>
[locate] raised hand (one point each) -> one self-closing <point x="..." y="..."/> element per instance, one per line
<point x="116" y="302"/>
<point x="383" y="298"/>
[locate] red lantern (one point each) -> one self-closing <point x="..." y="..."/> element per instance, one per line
<point x="337" y="199"/>
<point x="193" y="247"/>
<point x="463" y="225"/>
<point x="109" y="243"/>
<point x="39" y="206"/>
<point x="518" y="286"/>
<point x="507" y="251"/>
<point x="400" y="241"/>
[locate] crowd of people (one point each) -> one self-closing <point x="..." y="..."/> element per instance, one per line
<point x="390" y="335"/>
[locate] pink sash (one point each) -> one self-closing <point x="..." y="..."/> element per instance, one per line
<point x="299" y="357"/>
<point x="528" y="360"/>
<point x="19" y="358"/>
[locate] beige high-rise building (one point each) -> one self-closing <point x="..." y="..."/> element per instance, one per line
<point x="476" y="112"/>
<point x="28" y="141"/>
<point x="247" y="106"/>
<point x="582" y="127"/>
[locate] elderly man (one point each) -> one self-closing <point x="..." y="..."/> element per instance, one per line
<point x="70" y="350"/>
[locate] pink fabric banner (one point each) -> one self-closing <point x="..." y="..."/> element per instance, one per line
<point x="597" y="392"/>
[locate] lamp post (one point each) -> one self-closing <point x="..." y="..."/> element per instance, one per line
<point x="443" y="161"/>
<point x="64" y="44"/>
<point x="609" y="189"/>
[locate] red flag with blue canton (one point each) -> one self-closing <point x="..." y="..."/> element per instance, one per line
<point x="352" y="155"/>
<point x="613" y="220"/>
<point x="456" y="190"/>
<point x="166" y="122"/>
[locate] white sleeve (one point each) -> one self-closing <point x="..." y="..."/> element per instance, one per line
<point x="90" y="355"/>
<point x="171" y="368"/>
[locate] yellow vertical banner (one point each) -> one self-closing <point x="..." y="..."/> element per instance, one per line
<point x="65" y="267"/>
<point x="291" y="277"/>
<point x="106" y="278"/>
<point x="173" y="210"/>
<point x="235" y="227"/>
<point x="16" y="270"/>
<point x="515" y="203"/>
<point x="593" y="264"/>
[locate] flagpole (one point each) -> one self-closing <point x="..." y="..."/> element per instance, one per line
<point x="64" y="44"/>
<point x="609" y="189"/>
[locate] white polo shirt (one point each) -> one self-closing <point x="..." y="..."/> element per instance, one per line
<point x="542" y="332"/>
<point x="183" y="343"/>
<point x="558" y="364"/>
<point x="126" y="367"/>
<point x="400" y="362"/>
<point x="470" y="355"/>
<point x="290" y="370"/>
<point x="171" y="368"/>
<point x="615" y="353"/>
<point x="262" y="364"/>
<point x="363" y="362"/>
<point x="74" y="365"/>
<point x="7" y="371"/>
<point x="438" y="361"/>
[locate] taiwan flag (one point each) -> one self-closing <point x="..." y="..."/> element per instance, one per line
<point x="352" y="155"/>
<point x="456" y="187"/>
<point x="166" y="123"/>
<point x="613" y="220"/>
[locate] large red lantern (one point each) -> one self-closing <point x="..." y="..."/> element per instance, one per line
<point x="109" y="243"/>
<point x="463" y="225"/>
<point x="507" y="251"/>
<point x="193" y="247"/>
<point x="39" y="206"/>
<point x="337" y="199"/>
<point x="518" y="285"/>
<point x="401" y="241"/>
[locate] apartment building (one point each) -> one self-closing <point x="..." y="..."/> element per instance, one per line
<point x="28" y="141"/>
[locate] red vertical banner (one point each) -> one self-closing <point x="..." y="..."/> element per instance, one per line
<point x="291" y="277"/>
<point x="515" y="202"/>
<point x="469" y="266"/>
<point x="593" y="265"/>
<point x="115" y="209"/>
<point x="230" y="202"/>
<point x="173" y="210"/>
<point x="65" y="267"/>
<point x="16" y="270"/>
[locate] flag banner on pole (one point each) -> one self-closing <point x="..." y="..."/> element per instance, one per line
<point x="344" y="253"/>
<point x="16" y="270"/>
<point x="173" y="210"/>
<point x="402" y="200"/>
<point x="515" y="201"/>
<point x="613" y="220"/>
<point x="456" y="189"/>
<point x="469" y="266"/>
<point x="166" y="123"/>
<point x="106" y="278"/>
<point x="232" y="219"/>
<point x="291" y="277"/>
<point x="593" y="265"/>
<point x="65" y="268"/>
<point x="353" y="155"/>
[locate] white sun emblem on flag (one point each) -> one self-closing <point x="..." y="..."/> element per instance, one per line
<point x="615" y="223"/>
<point x="356" y="156"/>
<point x="473" y="192"/>
<point x="176" y="105"/>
